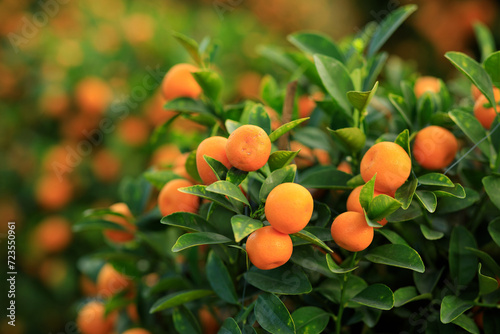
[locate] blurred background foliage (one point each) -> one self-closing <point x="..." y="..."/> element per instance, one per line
<point x="79" y="100"/>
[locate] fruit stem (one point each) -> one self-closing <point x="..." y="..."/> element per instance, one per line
<point x="338" y="323"/>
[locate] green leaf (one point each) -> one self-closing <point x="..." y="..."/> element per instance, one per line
<point x="453" y="204"/>
<point x="220" y="280"/>
<point x="231" y="125"/>
<point x="408" y="294"/>
<point x="228" y="189"/>
<point x="457" y="191"/>
<point x="494" y="230"/>
<point x="361" y="100"/>
<point x="428" y="199"/>
<point x="435" y="179"/>
<point x="336" y="80"/>
<point x="184" y="321"/>
<point x="466" y="323"/>
<point x="198" y="238"/>
<point x="405" y="193"/>
<point x="426" y="106"/>
<point x="492" y="64"/>
<point x="487" y="284"/>
<point x="280" y="159"/>
<point x="430" y="234"/>
<point x="392" y="236"/>
<point x="287" y="279"/>
<point x="93" y="224"/>
<point x="335" y="268"/>
<point x="325" y="177"/>
<point x="472" y="129"/>
<point x="210" y="82"/>
<point x="135" y="193"/>
<point x="160" y="177"/>
<point x="178" y="298"/>
<point x="282" y="175"/>
<point x="188" y="221"/>
<point x="169" y="283"/>
<point x="201" y="191"/>
<point x="462" y="263"/>
<point x="387" y="27"/>
<point x="452" y="307"/>
<point x="285" y="128"/>
<point x="486" y="259"/>
<point x="229" y="326"/>
<point x="403" y="140"/>
<point x="382" y="206"/>
<point x="255" y="114"/>
<point x="187" y="105"/>
<point x="272" y="315"/>
<point x="491" y="186"/>
<point x="217" y="167"/>
<point x="398" y="256"/>
<point x="485" y="40"/>
<point x="191" y="168"/>
<point x="414" y="211"/>
<point x="236" y="176"/>
<point x="475" y="72"/>
<point x="353" y="138"/>
<point x="270" y="93"/>
<point x="243" y="226"/>
<point x="189" y="44"/>
<point x="305" y="235"/>
<point x="400" y="105"/>
<point x="310" y="320"/>
<point x="316" y="43"/>
<point x="426" y="282"/>
<point x="378" y="296"/>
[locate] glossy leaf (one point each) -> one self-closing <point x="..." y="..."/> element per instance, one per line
<point x="466" y="323"/>
<point x="485" y="40"/>
<point x="400" y="105"/>
<point x="220" y="280"/>
<point x="191" y="168"/>
<point x="188" y="221"/>
<point x="272" y="315"/>
<point x="280" y="159"/>
<point x="178" y="298"/>
<point x="457" y="191"/>
<point x="160" y="177"/>
<point x="92" y="224"/>
<point x="282" y="175"/>
<point x="228" y="189"/>
<point x="361" y="100"/>
<point x="310" y="320"/>
<point x="217" y="167"/>
<point x="316" y="43"/>
<point x="405" y="193"/>
<point x="462" y="263"/>
<point x="486" y="260"/>
<point x="492" y="186"/>
<point x="243" y="226"/>
<point x="408" y="294"/>
<point x="309" y="237"/>
<point x="403" y="140"/>
<point x="392" y="236"/>
<point x="414" y="211"/>
<point x="198" y="238"/>
<point x="325" y="177"/>
<point x="430" y="234"/>
<point x="187" y="105"/>
<point x="287" y="279"/>
<point x="201" y="191"/>
<point x="428" y="199"/>
<point x="487" y="284"/>
<point x="236" y="176"/>
<point x="210" y="82"/>
<point x="335" y="268"/>
<point x="229" y="326"/>
<point x="435" y="179"/>
<point x="494" y="230"/>
<point x="452" y="307"/>
<point x="378" y="296"/>
<point x="382" y="206"/>
<point x="472" y="129"/>
<point x="398" y="256"/>
<point x="353" y="138"/>
<point x="255" y="114"/>
<point x="189" y="44"/>
<point x="184" y="321"/>
<point x="453" y="204"/>
<point x="492" y="64"/>
<point x="285" y="128"/>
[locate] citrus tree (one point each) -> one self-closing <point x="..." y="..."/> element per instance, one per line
<point x="335" y="203"/>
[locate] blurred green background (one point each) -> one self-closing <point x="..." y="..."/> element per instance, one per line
<point x="68" y="66"/>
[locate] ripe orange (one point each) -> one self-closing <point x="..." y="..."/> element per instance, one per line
<point x="179" y="82"/>
<point x="136" y="331"/>
<point x="53" y="192"/>
<point x="248" y="148"/>
<point x="434" y="147"/>
<point x="179" y="166"/>
<point x="214" y="147"/>
<point x="111" y="282"/>
<point x="322" y="156"/>
<point x="171" y="200"/>
<point x="91" y="319"/>
<point x="345" y="167"/>
<point x="353" y="203"/>
<point x="486" y="116"/>
<point x="208" y="322"/>
<point x="390" y="162"/>
<point x="475" y="92"/>
<point x="165" y="155"/>
<point x="119" y="236"/>
<point x="305" y="158"/>
<point x="426" y="84"/>
<point x="274" y="116"/>
<point x="306" y="104"/>
<point x="133" y="131"/>
<point x="93" y="95"/>
<point x="106" y="165"/>
<point x="351" y="232"/>
<point x="289" y="207"/>
<point x="268" y="248"/>
<point x="53" y="234"/>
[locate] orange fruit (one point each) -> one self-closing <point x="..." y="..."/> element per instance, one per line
<point x="53" y="234"/>
<point x="93" y="95"/>
<point x="248" y="148"/>
<point x="351" y="231"/>
<point x="345" y="167"/>
<point x="353" y="203"/>
<point x="119" y="236"/>
<point x="475" y="92"/>
<point x="91" y="319"/>
<point x="390" y="162"/>
<point x="133" y="131"/>
<point x="179" y="166"/>
<point x="274" y="116"/>
<point x="268" y="248"/>
<point x="289" y="207"/>
<point x="426" y="84"/>
<point x="106" y="165"/>
<point x="179" y="82"/>
<point x="214" y="147"/>
<point x="306" y="106"/>
<point x="305" y="158"/>
<point x="434" y="147"/>
<point x="165" y="155"/>
<point x="322" y="156"/>
<point x="209" y="323"/>
<point x="53" y="192"/>
<point x="87" y="286"/>
<point x="111" y="282"/>
<point x="136" y="331"/>
<point x="171" y="200"/>
<point x="486" y="115"/>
